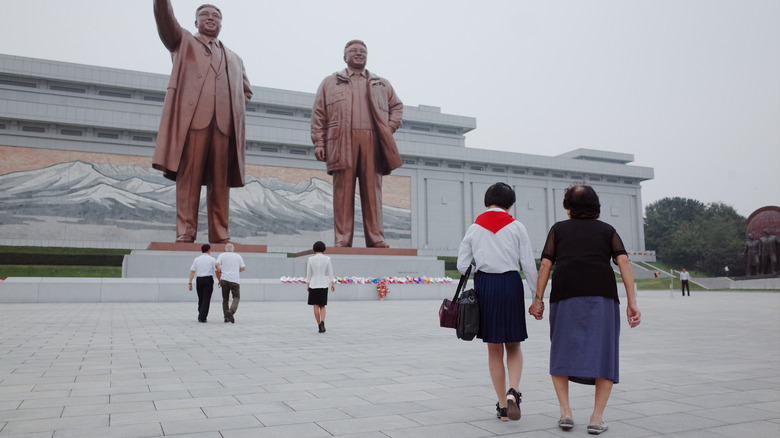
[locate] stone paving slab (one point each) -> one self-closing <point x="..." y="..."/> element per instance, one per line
<point x="701" y="366"/>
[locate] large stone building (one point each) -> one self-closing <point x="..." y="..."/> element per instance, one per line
<point x="77" y="140"/>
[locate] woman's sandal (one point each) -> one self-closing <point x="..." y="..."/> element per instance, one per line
<point x="501" y="413"/>
<point x="513" y="400"/>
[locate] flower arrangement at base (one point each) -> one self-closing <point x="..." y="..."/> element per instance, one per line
<point x="381" y="288"/>
<point x="368" y="280"/>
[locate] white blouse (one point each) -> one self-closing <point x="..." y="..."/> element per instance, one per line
<point x="499" y="252"/>
<point x="319" y="272"/>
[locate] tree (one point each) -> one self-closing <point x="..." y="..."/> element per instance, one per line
<point x="687" y="233"/>
<point x="666" y="215"/>
<point x="724" y="240"/>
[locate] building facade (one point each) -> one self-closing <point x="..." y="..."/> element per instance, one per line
<point x="77" y="140"/>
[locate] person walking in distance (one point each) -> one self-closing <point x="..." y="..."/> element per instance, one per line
<point x="319" y="275"/>
<point x="203" y="269"/>
<point x="229" y="264"/>
<point x="684" y="280"/>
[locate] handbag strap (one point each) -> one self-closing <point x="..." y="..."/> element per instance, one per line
<point x="464" y="278"/>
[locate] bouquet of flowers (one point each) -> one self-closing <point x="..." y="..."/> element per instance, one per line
<point x="381" y="288"/>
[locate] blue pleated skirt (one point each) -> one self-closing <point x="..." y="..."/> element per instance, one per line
<point x="501" y="307"/>
<point x="584" y="336"/>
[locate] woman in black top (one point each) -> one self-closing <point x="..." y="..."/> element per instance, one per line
<point x="584" y="304"/>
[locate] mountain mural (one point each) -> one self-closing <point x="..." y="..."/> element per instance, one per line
<point x="133" y="198"/>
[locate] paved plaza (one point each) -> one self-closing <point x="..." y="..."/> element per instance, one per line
<point x="701" y="366"/>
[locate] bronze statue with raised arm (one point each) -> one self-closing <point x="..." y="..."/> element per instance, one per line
<point x="202" y="132"/>
<point x="353" y="120"/>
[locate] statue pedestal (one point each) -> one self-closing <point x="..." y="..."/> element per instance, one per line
<point x="217" y="247"/>
<point x="340" y="250"/>
<point x="173" y="260"/>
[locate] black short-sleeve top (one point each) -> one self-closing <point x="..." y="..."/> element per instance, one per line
<point x="581" y="250"/>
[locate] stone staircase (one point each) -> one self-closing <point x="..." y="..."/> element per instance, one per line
<point x="643" y="270"/>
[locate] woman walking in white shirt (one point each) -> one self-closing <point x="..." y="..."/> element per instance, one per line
<point x="497" y="242"/>
<point x="319" y="275"/>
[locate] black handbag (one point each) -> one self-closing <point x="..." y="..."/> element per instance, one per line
<point x="448" y="312"/>
<point x="468" y="316"/>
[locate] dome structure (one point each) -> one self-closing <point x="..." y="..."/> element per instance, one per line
<point x="764" y="218"/>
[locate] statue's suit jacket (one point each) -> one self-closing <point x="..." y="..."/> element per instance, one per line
<point x="331" y="120"/>
<point x="191" y="61"/>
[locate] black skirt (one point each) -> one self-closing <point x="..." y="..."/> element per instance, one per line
<point x="318" y="297"/>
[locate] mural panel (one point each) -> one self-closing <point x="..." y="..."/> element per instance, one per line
<point x="72" y="196"/>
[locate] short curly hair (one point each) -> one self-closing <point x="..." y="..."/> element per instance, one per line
<point x="582" y="202"/>
<point x="319" y="246"/>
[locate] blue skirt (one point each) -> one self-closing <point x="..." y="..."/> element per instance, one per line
<point x="501" y="307"/>
<point x="584" y="336"/>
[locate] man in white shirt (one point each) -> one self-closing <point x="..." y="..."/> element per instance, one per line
<point x="229" y="265"/>
<point x="684" y="277"/>
<point x="203" y="269"/>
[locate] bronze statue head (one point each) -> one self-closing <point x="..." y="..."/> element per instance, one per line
<point x="356" y="56"/>
<point x="208" y="20"/>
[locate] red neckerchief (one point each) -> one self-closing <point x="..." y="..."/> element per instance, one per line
<point x="493" y="221"/>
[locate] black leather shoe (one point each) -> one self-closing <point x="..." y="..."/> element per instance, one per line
<point x="513" y="399"/>
<point x="501" y="413"/>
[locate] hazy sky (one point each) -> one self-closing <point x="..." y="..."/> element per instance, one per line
<point x="691" y="88"/>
